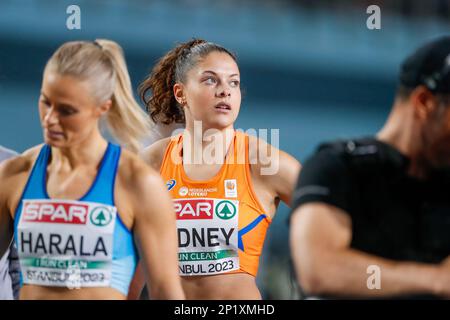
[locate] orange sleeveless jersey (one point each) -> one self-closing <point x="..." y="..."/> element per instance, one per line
<point x="221" y="224"/>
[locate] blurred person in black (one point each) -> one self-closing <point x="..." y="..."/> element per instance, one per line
<point x="382" y="203"/>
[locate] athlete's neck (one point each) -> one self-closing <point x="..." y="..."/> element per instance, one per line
<point x="208" y="146"/>
<point x="88" y="152"/>
<point x="403" y="133"/>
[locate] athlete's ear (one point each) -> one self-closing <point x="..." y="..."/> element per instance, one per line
<point x="104" y="108"/>
<point x="423" y="101"/>
<point x="178" y="92"/>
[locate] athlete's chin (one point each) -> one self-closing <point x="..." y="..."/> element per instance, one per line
<point x="221" y="126"/>
<point x="56" y="143"/>
<point x="222" y="123"/>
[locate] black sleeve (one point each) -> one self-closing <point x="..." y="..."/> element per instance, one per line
<point x="325" y="177"/>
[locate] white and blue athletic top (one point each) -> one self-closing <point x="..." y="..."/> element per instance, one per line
<point x="74" y="243"/>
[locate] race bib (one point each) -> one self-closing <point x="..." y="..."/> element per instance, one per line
<point x="65" y="243"/>
<point x="207" y="236"/>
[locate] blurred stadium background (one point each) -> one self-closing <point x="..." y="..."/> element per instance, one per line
<point x="311" y="69"/>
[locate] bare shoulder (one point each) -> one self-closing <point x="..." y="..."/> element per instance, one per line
<point x="273" y="171"/>
<point x="14" y="174"/>
<point x="153" y="155"/>
<point x="138" y="186"/>
<point x="21" y="163"/>
<point x="267" y="160"/>
<point x="134" y="171"/>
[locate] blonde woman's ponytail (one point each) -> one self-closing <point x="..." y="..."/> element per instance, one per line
<point x="126" y="119"/>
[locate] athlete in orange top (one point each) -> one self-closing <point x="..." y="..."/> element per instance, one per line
<point x="225" y="194"/>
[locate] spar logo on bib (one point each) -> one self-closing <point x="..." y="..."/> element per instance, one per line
<point x="55" y="212"/>
<point x="101" y="216"/>
<point x="67" y="212"/>
<point x="225" y="210"/>
<point x="194" y="209"/>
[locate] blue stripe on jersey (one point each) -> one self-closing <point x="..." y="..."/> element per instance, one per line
<point x="247" y="229"/>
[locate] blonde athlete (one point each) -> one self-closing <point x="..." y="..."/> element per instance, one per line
<point x="81" y="207"/>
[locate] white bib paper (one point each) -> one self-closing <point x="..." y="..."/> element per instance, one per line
<point x="207" y="235"/>
<point x="66" y="243"/>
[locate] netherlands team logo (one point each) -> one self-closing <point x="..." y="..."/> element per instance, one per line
<point x="230" y="186"/>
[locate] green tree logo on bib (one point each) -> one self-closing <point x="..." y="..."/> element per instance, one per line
<point x="101" y="216"/>
<point x="225" y="210"/>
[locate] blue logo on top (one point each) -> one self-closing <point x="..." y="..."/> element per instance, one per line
<point x="170" y="184"/>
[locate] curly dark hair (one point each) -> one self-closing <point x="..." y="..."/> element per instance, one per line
<point x="156" y="91"/>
